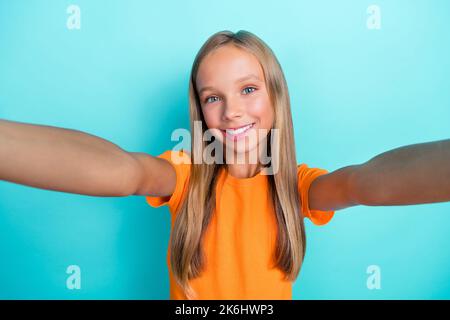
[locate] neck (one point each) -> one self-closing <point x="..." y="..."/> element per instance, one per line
<point x="244" y="168"/>
<point x="243" y="171"/>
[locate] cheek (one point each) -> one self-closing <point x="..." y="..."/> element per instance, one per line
<point x="261" y="109"/>
<point x="211" y="117"/>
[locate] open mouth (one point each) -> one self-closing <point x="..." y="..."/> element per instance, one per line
<point x="237" y="133"/>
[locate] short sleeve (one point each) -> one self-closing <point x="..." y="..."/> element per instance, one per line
<point x="306" y="176"/>
<point x="180" y="160"/>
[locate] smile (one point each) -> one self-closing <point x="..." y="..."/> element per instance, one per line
<point x="236" y="134"/>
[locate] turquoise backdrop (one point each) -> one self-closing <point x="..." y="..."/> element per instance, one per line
<point x="356" y="91"/>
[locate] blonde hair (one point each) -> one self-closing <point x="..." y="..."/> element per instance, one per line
<point x="187" y="258"/>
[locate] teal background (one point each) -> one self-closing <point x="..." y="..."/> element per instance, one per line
<point x="124" y="76"/>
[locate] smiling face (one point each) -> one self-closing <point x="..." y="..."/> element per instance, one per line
<point x="234" y="98"/>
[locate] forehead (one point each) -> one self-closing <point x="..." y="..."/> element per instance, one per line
<point x="225" y="65"/>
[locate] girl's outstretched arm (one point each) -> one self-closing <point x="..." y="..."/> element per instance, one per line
<point x="412" y="174"/>
<point x="72" y="161"/>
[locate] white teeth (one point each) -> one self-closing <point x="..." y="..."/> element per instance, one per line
<point x="238" y="131"/>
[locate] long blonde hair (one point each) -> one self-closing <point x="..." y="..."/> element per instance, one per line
<point x="187" y="258"/>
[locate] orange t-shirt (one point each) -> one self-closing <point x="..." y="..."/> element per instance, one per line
<point x="241" y="236"/>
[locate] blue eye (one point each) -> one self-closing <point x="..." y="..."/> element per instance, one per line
<point x="249" y="88"/>
<point x="207" y="99"/>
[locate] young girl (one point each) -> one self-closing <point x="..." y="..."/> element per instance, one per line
<point x="237" y="227"/>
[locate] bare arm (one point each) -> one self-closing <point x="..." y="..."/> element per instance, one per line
<point x="334" y="190"/>
<point x="412" y="174"/>
<point x="157" y="177"/>
<point x="72" y="161"/>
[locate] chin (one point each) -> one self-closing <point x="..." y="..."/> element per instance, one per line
<point x="241" y="148"/>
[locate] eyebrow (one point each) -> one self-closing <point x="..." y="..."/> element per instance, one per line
<point x="244" y="78"/>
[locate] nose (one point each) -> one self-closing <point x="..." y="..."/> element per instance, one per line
<point x="232" y="110"/>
